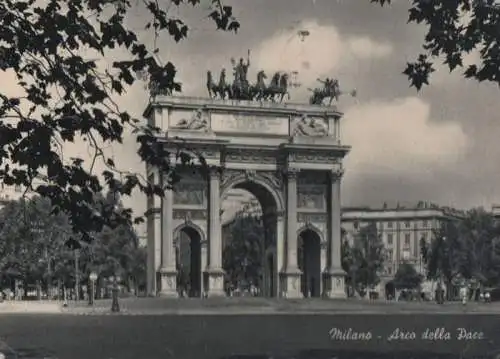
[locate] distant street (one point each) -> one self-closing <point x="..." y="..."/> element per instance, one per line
<point x="237" y="336"/>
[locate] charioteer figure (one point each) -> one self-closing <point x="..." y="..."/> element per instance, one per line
<point x="240" y="70"/>
<point x="327" y="84"/>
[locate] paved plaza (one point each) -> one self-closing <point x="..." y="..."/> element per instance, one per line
<point x="268" y="306"/>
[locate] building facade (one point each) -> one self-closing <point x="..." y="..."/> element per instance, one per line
<point x="402" y="228"/>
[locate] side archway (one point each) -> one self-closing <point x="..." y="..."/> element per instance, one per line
<point x="309" y="260"/>
<point x="189" y="239"/>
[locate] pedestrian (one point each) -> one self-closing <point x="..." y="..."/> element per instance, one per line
<point x="463" y="294"/>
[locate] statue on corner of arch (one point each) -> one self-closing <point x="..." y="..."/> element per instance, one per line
<point x="310" y="127"/>
<point x="198" y="121"/>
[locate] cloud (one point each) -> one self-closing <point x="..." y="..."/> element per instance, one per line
<point x="365" y="48"/>
<point x="399" y="137"/>
<point x="318" y="54"/>
<point x="442" y="75"/>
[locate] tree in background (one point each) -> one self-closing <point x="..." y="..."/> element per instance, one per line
<point x="479" y="233"/>
<point x="367" y="258"/>
<point x="115" y="250"/>
<point x="34" y="248"/>
<point x="407" y="277"/>
<point x="32" y="238"/>
<point x="53" y="49"/>
<point x="445" y="255"/>
<point x="244" y="251"/>
<point x="455" y="29"/>
<point x="465" y="251"/>
<point x="347" y="259"/>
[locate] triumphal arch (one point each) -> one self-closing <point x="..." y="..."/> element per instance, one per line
<point x="288" y="155"/>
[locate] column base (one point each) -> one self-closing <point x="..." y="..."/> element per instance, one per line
<point x="335" y="283"/>
<point x="168" y="283"/>
<point x="215" y="282"/>
<point x="291" y="284"/>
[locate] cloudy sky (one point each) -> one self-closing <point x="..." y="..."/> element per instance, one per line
<point x="437" y="145"/>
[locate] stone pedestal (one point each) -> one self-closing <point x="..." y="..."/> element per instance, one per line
<point x="291" y="281"/>
<point x="168" y="283"/>
<point x="215" y="283"/>
<point x="335" y="287"/>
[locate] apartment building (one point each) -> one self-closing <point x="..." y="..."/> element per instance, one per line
<point x="401" y="228"/>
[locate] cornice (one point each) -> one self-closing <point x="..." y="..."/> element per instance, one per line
<point x="268" y="108"/>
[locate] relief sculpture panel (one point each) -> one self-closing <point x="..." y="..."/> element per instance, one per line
<point x="190" y="193"/>
<point x="311" y="197"/>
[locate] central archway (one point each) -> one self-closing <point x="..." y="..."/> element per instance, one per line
<point x="189" y="265"/>
<point x="309" y="261"/>
<point x="265" y="243"/>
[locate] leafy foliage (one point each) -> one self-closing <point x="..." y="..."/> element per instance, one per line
<point x="479" y="233"/>
<point x="244" y="251"/>
<point x="466" y="249"/>
<point x="66" y="97"/>
<point x="454" y="29"/>
<point x="33" y="247"/>
<point x="367" y="258"/>
<point x="407" y="277"/>
<point x="31" y="239"/>
<point x="444" y="256"/>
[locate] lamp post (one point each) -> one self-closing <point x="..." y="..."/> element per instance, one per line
<point x="77" y="276"/>
<point x="115" y="306"/>
<point x="93" y="278"/>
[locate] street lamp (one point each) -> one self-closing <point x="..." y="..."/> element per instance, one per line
<point x="93" y="278"/>
<point x="115" y="307"/>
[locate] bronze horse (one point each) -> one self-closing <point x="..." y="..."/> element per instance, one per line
<point x="277" y="87"/>
<point x="242" y="90"/>
<point x="220" y="89"/>
<point x="331" y="89"/>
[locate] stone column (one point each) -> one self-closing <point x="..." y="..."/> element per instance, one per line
<point x="292" y="272"/>
<point x="280" y="255"/>
<point x="214" y="269"/>
<point x="335" y="274"/>
<point x="168" y="270"/>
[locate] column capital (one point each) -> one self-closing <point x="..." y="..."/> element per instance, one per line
<point x="214" y="172"/>
<point x="336" y="174"/>
<point x="291" y="173"/>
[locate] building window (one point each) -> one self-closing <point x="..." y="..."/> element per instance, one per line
<point x="389" y="239"/>
<point x="389" y="254"/>
<point x="381" y="225"/>
<point x="389" y="225"/>
<point x="426" y="223"/>
<point x="407" y="224"/>
<point x="407" y="239"/>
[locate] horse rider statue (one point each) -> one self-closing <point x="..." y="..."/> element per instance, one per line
<point x="331" y="89"/>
